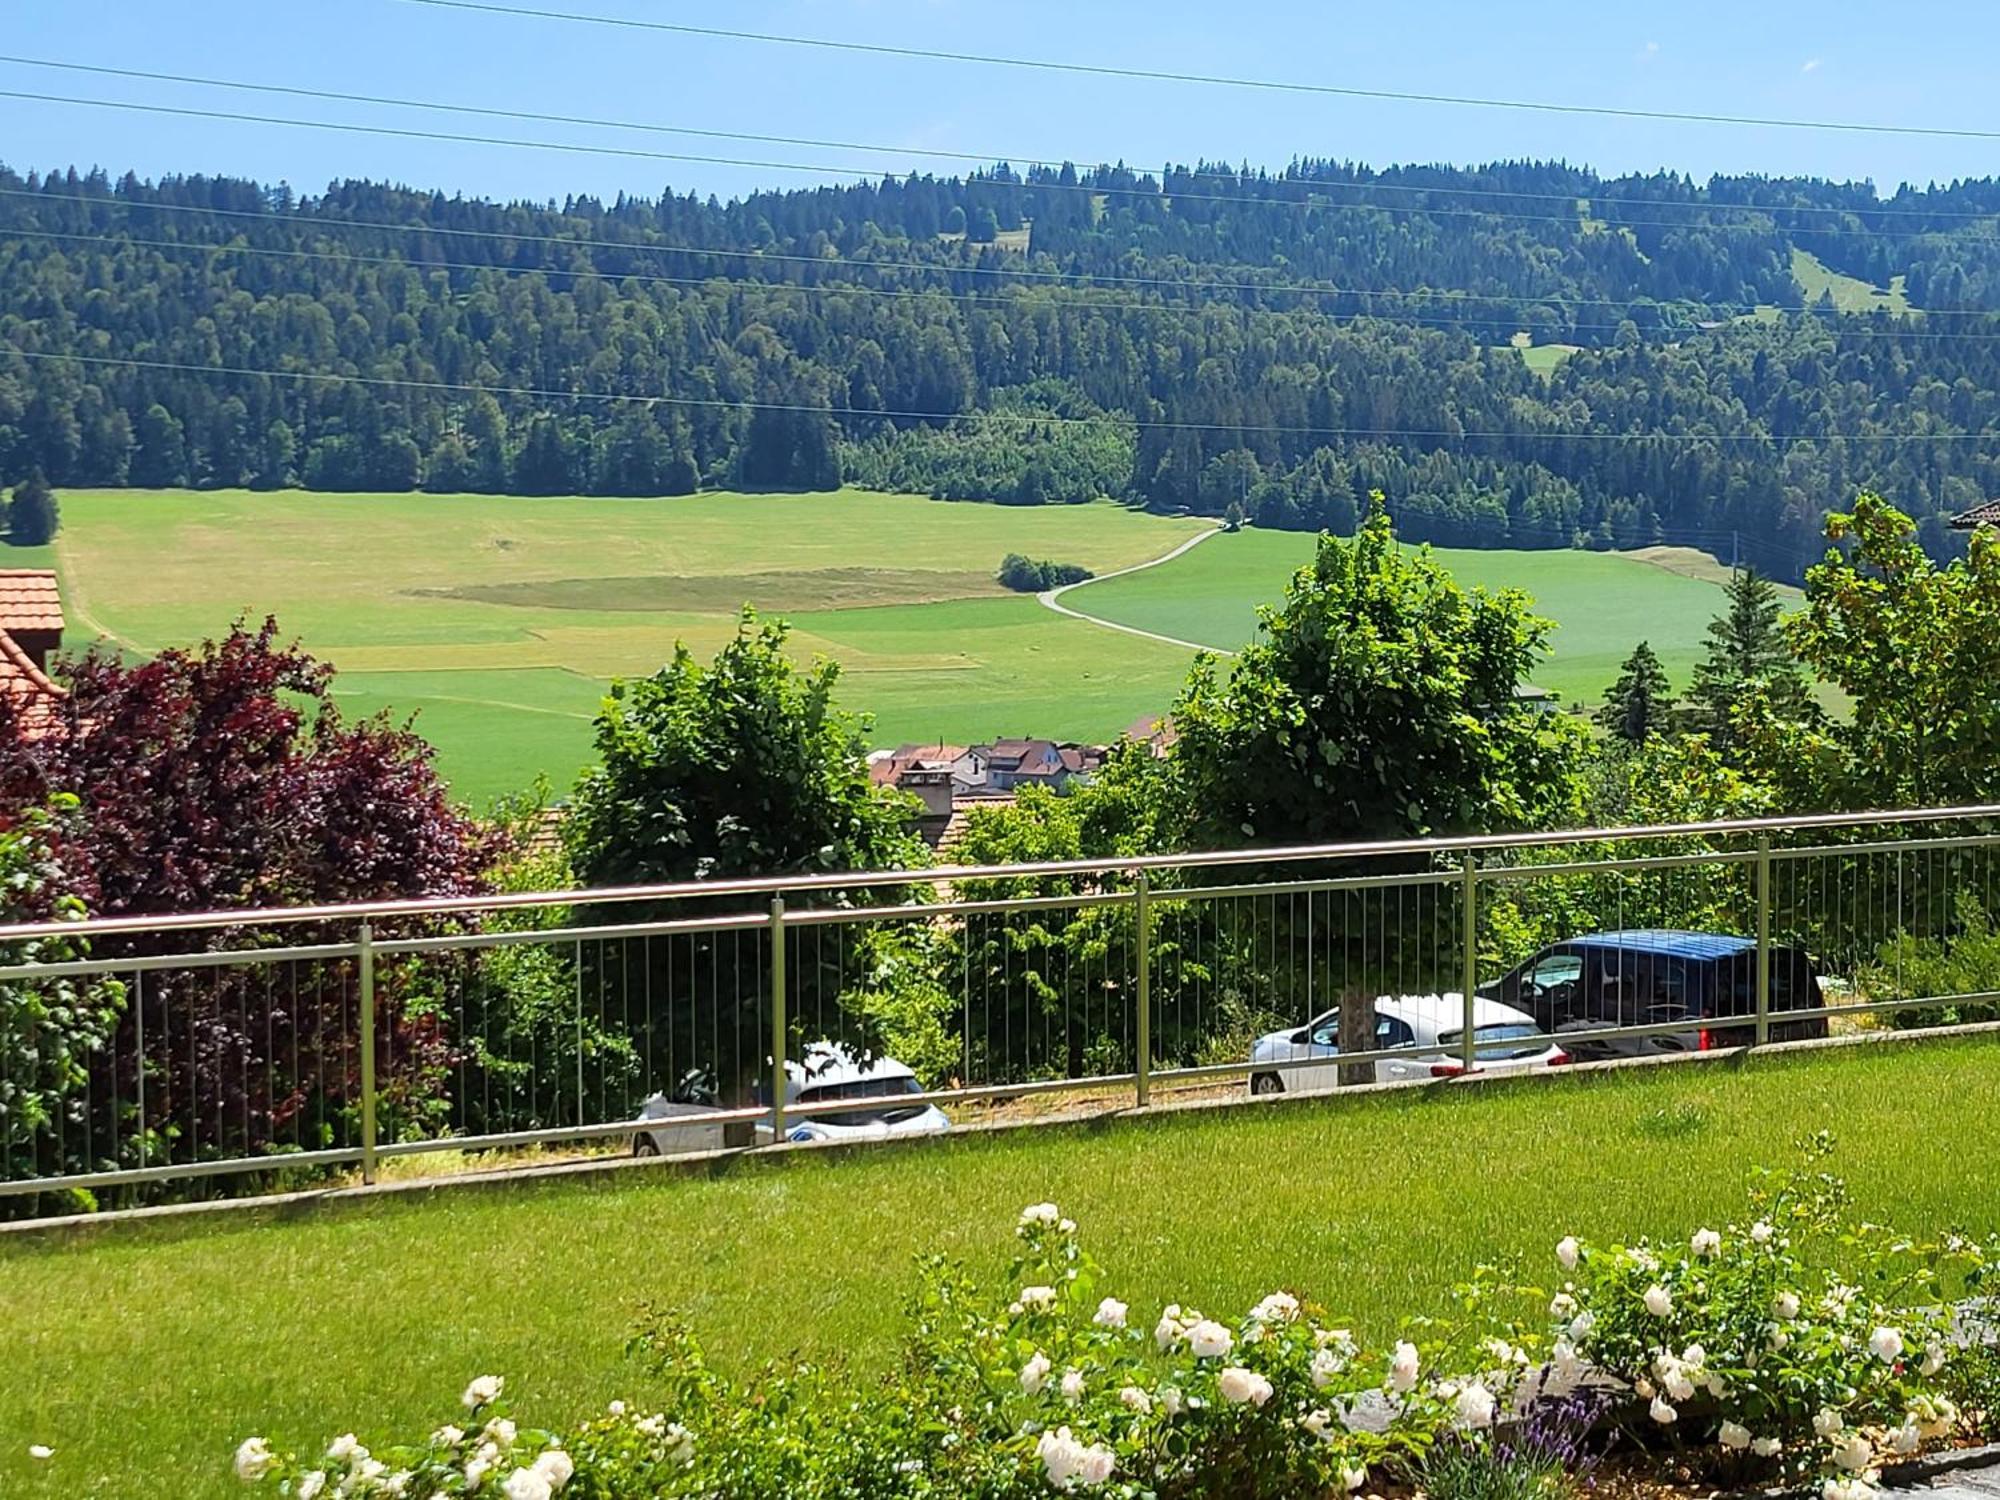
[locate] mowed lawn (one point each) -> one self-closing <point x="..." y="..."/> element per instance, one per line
<point x="160" y="1345"/>
<point x="1603" y="603"/>
<point x="499" y="620"/>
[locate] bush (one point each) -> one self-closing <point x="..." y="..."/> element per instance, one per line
<point x="1028" y="577"/>
<point x="1964" y="963"/>
<point x="1745" y="1344"/>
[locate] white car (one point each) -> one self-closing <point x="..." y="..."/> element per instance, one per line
<point x="1429" y="1028"/>
<point x="825" y="1074"/>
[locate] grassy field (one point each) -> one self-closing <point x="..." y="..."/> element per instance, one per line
<point x="1602" y="603"/>
<point x="1542" y="358"/>
<point x="1850" y="293"/>
<point x="161" y="1345"/>
<point x="499" y="620"/>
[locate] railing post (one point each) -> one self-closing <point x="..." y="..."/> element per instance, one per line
<point x="777" y="1018"/>
<point x="365" y="957"/>
<point x="1469" y="959"/>
<point x="1142" y="924"/>
<point x="1763" y="938"/>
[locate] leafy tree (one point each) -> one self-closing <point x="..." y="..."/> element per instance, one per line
<point x="1746" y="657"/>
<point x="32" y="515"/>
<point x="223" y="777"/>
<point x="743" y="766"/>
<point x="1638" y="704"/>
<point x="1379" y="701"/>
<point x="53" y="1031"/>
<point x="1026" y="576"/>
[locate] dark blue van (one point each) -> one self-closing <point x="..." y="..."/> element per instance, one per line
<point x="1654" y="977"/>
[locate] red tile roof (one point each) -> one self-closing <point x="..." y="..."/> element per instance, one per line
<point x="29" y="600"/>
<point x="1980" y="515"/>
<point x="34" y="697"/>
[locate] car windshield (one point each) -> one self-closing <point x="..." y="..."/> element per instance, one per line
<point x="887" y="1088"/>
<point x="1502" y="1040"/>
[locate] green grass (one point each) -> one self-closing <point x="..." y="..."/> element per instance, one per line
<point x="1603" y="603"/>
<point x="154" y="1347"/>
<point x="499" y="620"/>
<point x="1542" y="358"/>
<point x="1850" y="293"/>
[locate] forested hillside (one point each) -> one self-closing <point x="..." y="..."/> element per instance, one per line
<point x="1201" y="338"/>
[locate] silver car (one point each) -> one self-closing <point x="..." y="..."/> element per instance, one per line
<point x="1427" y="1028"/>
<point x="826" y="1074"/>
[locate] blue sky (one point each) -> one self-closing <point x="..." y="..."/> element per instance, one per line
<point x="1830" y="59"/>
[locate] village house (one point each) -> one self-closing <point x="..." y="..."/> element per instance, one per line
<point x="31" y="627"/>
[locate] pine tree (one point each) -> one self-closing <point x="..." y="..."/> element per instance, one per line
<point x="1637" y="705"/>
<point x="1746" y="653"/>
<point x="32" y="516"/>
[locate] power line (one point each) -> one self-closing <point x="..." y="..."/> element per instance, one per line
<point x="1156" y="75"/>
<point x="1471" y="321"/>
<point x="1010" y="418"/>
<point x="995" y="157"/>
<point x="870" y="174"/>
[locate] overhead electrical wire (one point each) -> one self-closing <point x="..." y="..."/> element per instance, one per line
<point x="1027" y="419"/>
<point x="989" y="158"/>
<point x="1161" y="75"/>
<point x="867" y="174"/>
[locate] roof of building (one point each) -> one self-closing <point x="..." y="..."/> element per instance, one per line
<point x="1006" y="753"/>
<point x="35" y="698"/>
<point x="1980" y="515"/>
<point x="29" y="600"/>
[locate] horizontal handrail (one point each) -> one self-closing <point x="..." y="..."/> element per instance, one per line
<point x="444" y="906"/>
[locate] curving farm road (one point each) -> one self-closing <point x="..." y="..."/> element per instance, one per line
<point x="1052" y="598"/>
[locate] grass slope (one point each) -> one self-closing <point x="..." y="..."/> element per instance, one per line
<point x="154" y="1348"/>
<point x="1850" y="293"/>
<point x="1603" y="603"/>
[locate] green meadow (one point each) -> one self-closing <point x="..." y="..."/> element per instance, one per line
<point x="497" y="621"/>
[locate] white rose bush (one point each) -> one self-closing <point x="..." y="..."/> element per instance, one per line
<point x="1790" y="1349"/>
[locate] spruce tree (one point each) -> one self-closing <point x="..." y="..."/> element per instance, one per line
<point x="1746" y="653"/>
<point x="32" y="516"/>
<point x="1637" y="705"/>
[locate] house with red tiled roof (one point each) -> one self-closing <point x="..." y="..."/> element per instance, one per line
<point x="1980" y="515"/>
<point x="31" y="627"/>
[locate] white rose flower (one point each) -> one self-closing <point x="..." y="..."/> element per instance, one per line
<point x="1040" y="1213"/>
<point x="1318" y="1421"/>
<point x="1661" y="1412"/>
<point x="1172" y="1402"/>
<point x="1069" y="1463"/>
<point x="1110" y="1313"/>
<point x="1706" y="1244"/>
<point x="1766" y="1447"/>
<point x="1906" y="1439"/>
<point x="1403" y="1367"/>
<point x="365" y="1473"/>
<point x="1581" y="1325"/>
<point x="1847" y="1489"/>
<point x="398" y="1483"/>
<point x="1933" y="1361"/>
<point x="345" y="1449"/>
<point x="500" y="1431"/>
<point x="1134" y="1399"/>
<point x="1644" y="1389"/>
<point x="254" y="1459"/>
<point x="1734" y="1436"/>
<point x="653" y="1426"/>
<point x="476" y="1472"/>
<point x="1474" y="1406"/>
<point x="1371" y="1411"/>
<point x="1886" y="1344"/>
<point x="1659" y="1301"/>
<point x="448" y="1436"/>
<point x="1072" y="1386"/>
<point x="1565" y="1362"/>
<point x="1854" y="1453"/>
<point x="1353" y="1478"/>
<point x="482" y="1391"/>
<point x="1240" y="1387"/>
<point x="1326" y="1368"/>
<point x="1785" y="1306"/>
<point x="679" y="1444"/>
<point x="1568" y="1252"/>
<point x="1038" y="1298"/>
<point x="1828" y="1423"/>
<point x="1035" y="1374"/>
<point x="1279" y="1307"/>
<point x="1694" y="1356"/>
<point x="1761" y="1233"/>
<point x="556" y="1467"/>
<point x="1679" y="1386"/>
<point x="311" y="1484"/>
<point x="1934" y="1416"/>
<point x="525" y="1484"/>
<point x="1209" y="1340"/>
<point x="1717" y="1387"/>
<point x="1779" y="1338"/>
<point x="1170" y="1330"/>
<point x="1562" y="1305"/>
<point x="41" y="1452"/>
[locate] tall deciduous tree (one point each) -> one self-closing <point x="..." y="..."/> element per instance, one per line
<point x="1638" y="704"/>
<point x="1746" y="656"/>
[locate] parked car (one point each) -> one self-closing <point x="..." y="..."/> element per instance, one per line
<point x="1429" y="1027"/>
<point x="683" y="1122"/>
<point x="1657" y="977"/>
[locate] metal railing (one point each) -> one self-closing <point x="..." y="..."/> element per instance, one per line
<point x="225" y="1050"/>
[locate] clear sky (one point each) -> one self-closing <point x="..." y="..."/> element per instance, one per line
<point x="1827" y="59"/>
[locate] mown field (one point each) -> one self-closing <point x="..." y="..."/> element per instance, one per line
<point x="142" y="1355"/>
<point x="499" y="620"/>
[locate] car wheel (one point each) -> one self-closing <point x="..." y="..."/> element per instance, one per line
<point x="1266" y="1084"/>
<point x="645" y="1145"/>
